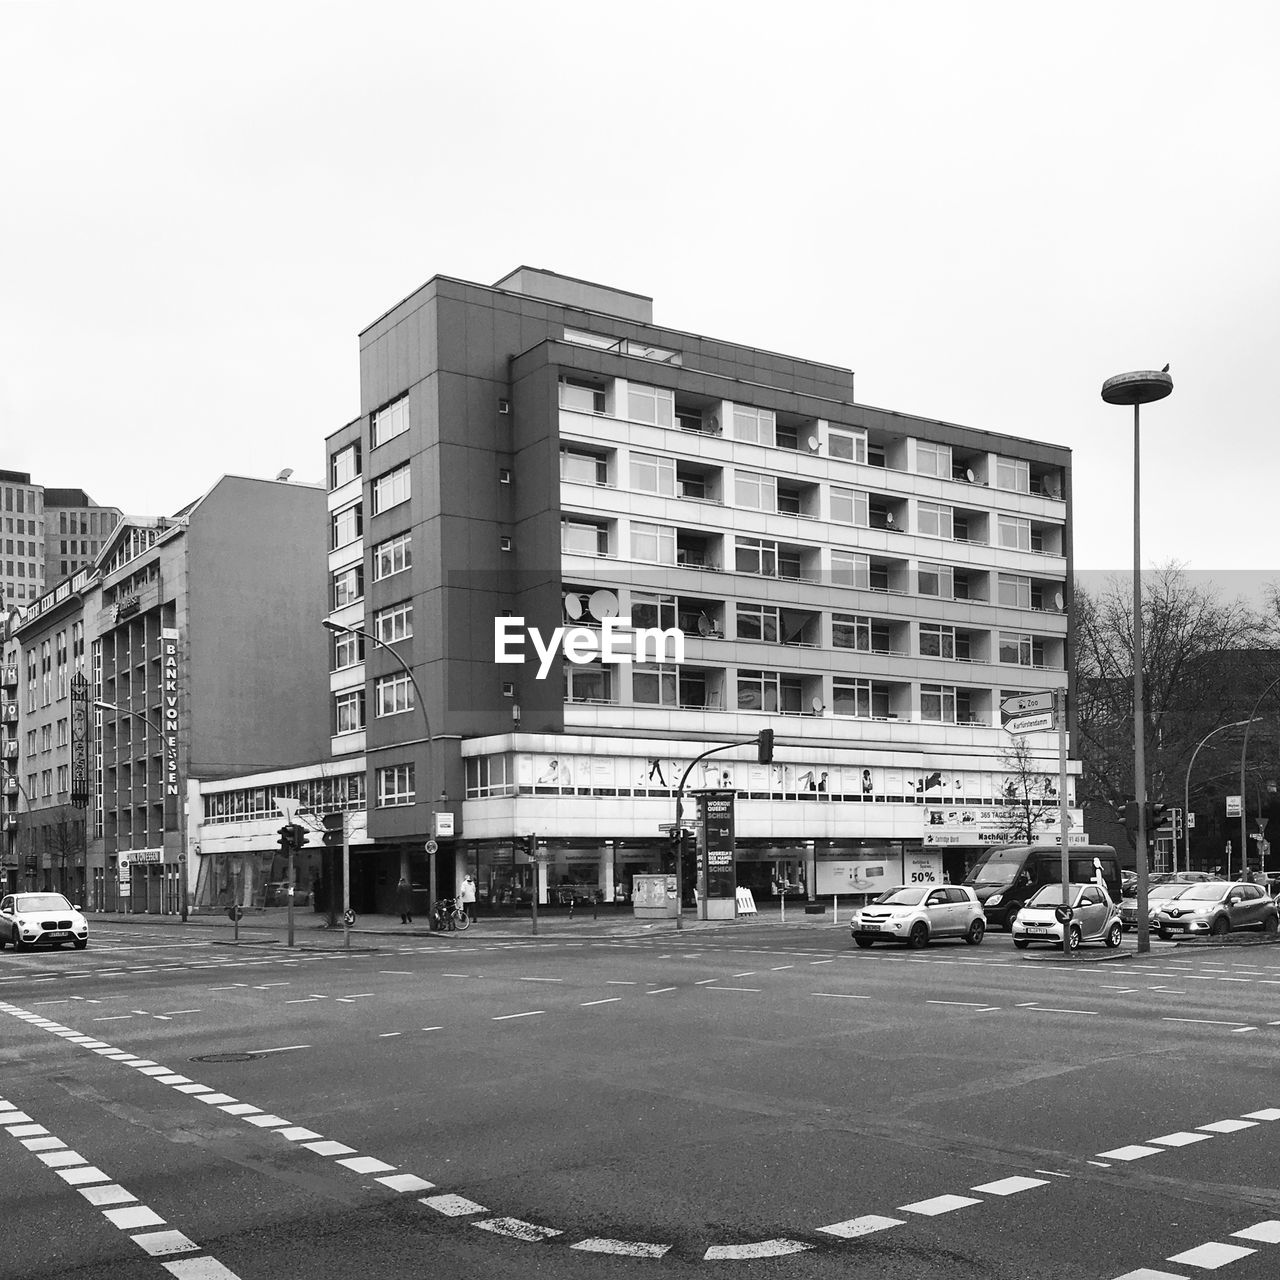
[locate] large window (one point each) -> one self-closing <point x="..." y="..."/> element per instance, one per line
<point x="934" y="519"/>
<point x="653" y="611"/>
<point x="656" y="686"/>
<point x="851" y="698"/>
<point x="583" y="466"/>
<point x="655" y="543"/>
<point x="851" y="631"/>
<point x="348" y="711"/>
<point x="348" y="649"/>
<point x="850" y="569"/>
<point x="651" y="473"/>
<point x="1020" y="648"/>
<point x="348" y="585"/>
<point x="344" y="465"/>
<point x="392" y="556"/>
<point x="935" y="580"/>
<point x="933" y="459"/>
<point x="583" y="537"/>
<point x="654" y="405"/>
<point x="393" y="694"/>
<point x="581" y="397"/>
<point x="850" y="445"/>
<point x="758" y="622"/>
<point x="1013" y="473"/>
<point x="391" y="489"/>
<point x="756" y="426"/>
<point x="588" y="682"/>
<point x="937" y="642"/>
<point x="1014" y="532"/>
<point x="850" y="506"/>
<point x="1013" y="591"/>
<point x="758" y="492"/>
<point x="768" y="691"/>
<point x="390" y="421"/>
<point x="346" y="526"/>
<point x="938" y="703"/>
<point x="754" y="555"/>
<point x="394" y="623"/>
<point x="395" y="785"/>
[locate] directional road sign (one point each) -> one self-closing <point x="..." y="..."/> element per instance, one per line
<point x="1036" y="723"/>
<point x="1022" y="703"/>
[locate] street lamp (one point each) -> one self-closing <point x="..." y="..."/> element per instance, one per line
<point x="1138" y="389"/>
<point x="1244" y="808"/>
<point x="1186" y="794"/>
<point x="330" y="625"/>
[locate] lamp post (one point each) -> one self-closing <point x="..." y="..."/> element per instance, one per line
<point x="1186" y="794"/>
<point x="1244" y="807"/>
<point x="330" y="625"/>
<point x="1138" y="389"/>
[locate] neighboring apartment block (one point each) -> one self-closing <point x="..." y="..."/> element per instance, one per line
<point x="539" y="454"/>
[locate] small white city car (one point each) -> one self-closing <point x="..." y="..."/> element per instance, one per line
<point x="916" y="914"/>
<point x="30" y="918"/>
<point x="1093" y="917"/>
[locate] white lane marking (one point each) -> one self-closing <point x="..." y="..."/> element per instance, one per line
<point x="1099" y="1163"/>
<point x="516" y="1229"/>
<point x="702" y="982"/>
<point x="1211" y="1256"/>
<point x="386" y="1035"/>
<point x="750" y="973"/>
<point x="1180" y="1139"/>
<point x="1227" y="1126"/>
<point x="432" y="1028"/>
<point x="405" y="1182"/>
<point x="967" y="1004"/>
<point x="777" y="968"/>
<point x="863" y="1226"/>
<point x="453" y="1206"/>
<point x="399" y="973"/>
<point x="821" y="961"/>
<point x="1134" y="1151"/>
<point x="622" y="1248"/>
<point x="284" y="1048"/>
<point x="587" y="1004"/>
<point x="759" y="1249"/>
<point x="756" y="990"/>
<point x="838" y="995"/>
<point x="1120" y="991"/>
<point x="1010" y="1186"/>
<point x="360" y="995"/>
<point x="506" y="1017"/>
<point x="160" y="1244"/>
<point x="539" y="979"/>
<point x="296" y="1133"/>
<point x="620" y="982"/>
<point x="1264" y="1232"/>
<point x="659" y="991"/>
<point x="1267" y="1113"/>
<point x="1053" y="1173"/>
<point x="938" y="1204"/>
<point x="367" y="1164"/>
<point x="1235" y="1031"/>
<point x="1208" y="1022"/>
<point x="1088" y="1013"/>
<point x="329" y="1148"/>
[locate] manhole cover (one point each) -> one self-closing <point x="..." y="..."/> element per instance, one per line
<point x="227" y="1057"/>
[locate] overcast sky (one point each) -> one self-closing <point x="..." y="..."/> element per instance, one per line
<point x="983" y="209"/>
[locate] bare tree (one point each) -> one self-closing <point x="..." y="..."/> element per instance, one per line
<point x="1030" y="796"/>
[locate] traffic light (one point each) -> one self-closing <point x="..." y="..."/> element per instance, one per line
<point x="286" y="838"/>
<point x="1127" y="812"/>
<point x="530" y="844"/>
<point x="297" y="835"/>
<point x="1156" y="811"/>
<point x="1176" y="815"/>
<point x="332" y="836"/>
<point x="764" y="746"/>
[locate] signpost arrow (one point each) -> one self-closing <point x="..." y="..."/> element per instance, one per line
<point x="1021" y="703"/>
<point x="1037" y="723"/>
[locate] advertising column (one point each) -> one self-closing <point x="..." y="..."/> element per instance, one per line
<point x="719" y="878"/>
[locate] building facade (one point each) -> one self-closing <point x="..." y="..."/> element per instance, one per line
<point x="871" y="586"/>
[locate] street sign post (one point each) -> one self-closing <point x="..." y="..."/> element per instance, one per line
<point x="1037" y="722"/>
<point x="1021" y="703"/>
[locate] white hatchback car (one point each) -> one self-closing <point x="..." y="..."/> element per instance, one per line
<point x="1094" y="918"/>
<point x="29" y="918"/>
<point x="916" y="914"/>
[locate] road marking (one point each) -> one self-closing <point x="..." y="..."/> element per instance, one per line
<point x="284" y="1048"/>
<point x="433" y="1028"/>
<point x="750" y="973"/>
<point x="777" y="968"/>
<point x="452" y="1206"/>
<point x="505" y="1017"/>
<point x="1267" y="1113"/>
<point x="1044" y="1008"/>
<point x="623" y="1248"/>
<point x="1120" y="991"/>
<point x="539" y="979"/>
<point x="1180" y="1139"/>
<point x="1133" y="1152"/>
<point x="966" y="1004"/>
<point x="1264" y="1232"/>
<point x="838" y="995"/>
<point x="359" y="995"/>
<point x="1212" y="1255"/>
<point x="1053" y="1173"/>
<point x="587" y="1004"/>
<point x="386" y="1035"/>
<point x="938" y="1204"/>
<point x="659" y="991"/>
<point x="399" y="973"/>
<point x="702" y="982"/>
<point x="1010" y="1186"/>
<point x="756" y="990"/>
<point x="760" y="1249"/>
<point x="863" y="1226"/>
<point x="516" y="1229"/>
<point x="1227" y="1126"/>
<point x="620" y="982"/>
<point x="1208" y="1022"/>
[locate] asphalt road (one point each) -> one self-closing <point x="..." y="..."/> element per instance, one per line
<point x="767" y="1102"/>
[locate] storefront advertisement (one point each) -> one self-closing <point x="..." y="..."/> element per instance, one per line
<point x="864" y="876"/>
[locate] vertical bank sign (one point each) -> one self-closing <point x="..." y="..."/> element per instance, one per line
<point x="169" y="656"/>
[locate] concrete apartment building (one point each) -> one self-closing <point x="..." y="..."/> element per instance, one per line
<point x="868" y="584"/>
<point x="194" y="644"/>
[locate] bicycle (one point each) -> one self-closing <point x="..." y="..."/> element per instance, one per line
<point x="449" y="915"/>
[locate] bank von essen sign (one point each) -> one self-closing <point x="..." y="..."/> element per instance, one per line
<point x="169" y="654"/>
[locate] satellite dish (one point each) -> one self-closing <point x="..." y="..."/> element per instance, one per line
<point x="603" y="604"/>
<point x="818" y="707"/>
<point x="573" y="606"/>
<point x="813" y="444"/>
<point x="1058" y="601"/>
<point x="704" y="625"/>
<point x="285" y="474"/>
<point x="968" y="475"/>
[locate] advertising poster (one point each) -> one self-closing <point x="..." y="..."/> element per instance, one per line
<point x="862" y="875"/>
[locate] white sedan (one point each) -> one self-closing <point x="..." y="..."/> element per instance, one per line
<point x="1093" y="917"/>
<point x="29" y="918"/>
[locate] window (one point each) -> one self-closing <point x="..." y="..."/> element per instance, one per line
<point x="348" y="585"/>
<point x="758" y="622"/>
<point x="758" y="492"/>
<point x="935" y="580"/>
<point x="1013" y="473"/>
<point x="937" y="642"/>
<point x="1020" y="648"/>
<point x="584" y="467"/>
<point x="933" y="459"/>
<point x="1014" y="532"/>
<point x="346" y="526"/>
<point x="655" y="543"/>
<point x="64" y="778"/>
<point x="851" y="631"/>
<point x="60" y="641"/>
<point x="850" y="569"/>
<point x="391" y="489"/>
<point x="756" y="426"/>
<point x="395" y="785"/>
<point x="63" y="728"/>
<point x="758" y="691"/>
<point x="46" y="782"/>
<point x="859" y="698"/>
<point x="754" y="555"/>
<point x="588" y="682"/>
<point x="1013" y="591"/>
<point x="394" y="623"/>
<point x="653" y="611"/>
<point x="938" y="703"/>
<point x="46" y="673"/>
<point x="583" y="537"/>
<point x="656" y="686"/>
<point x="653" y="474"/>
<point x="933" y="519"/>
<point x="850" y="445"/>
<point x="390" y="421"/>
<point x="581" y="397"/>
<point x="392" y="556"/>
<point x="393" y="694"/>
<point x="31" y="742"/>
<point x="348" y="649"/>
<point x="654" y="405"/>
<point x="344" y="465"/>
<point x="850" y="506"/>
<point x="46" y="737"/>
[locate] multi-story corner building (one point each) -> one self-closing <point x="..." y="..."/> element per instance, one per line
<point x="870" y="585"/>
<point x="45" y="535"/>
<point x="198" y="637"/>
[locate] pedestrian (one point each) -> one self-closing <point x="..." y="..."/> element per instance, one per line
<point x="404" y="901"/>
<point x="467" y="896"/>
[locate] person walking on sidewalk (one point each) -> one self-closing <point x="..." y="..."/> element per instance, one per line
<point x="467" y="896"/>
<point x="404" y="901"/>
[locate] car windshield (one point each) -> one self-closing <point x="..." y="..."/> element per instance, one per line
<point x="1171" y="890"/>
<point x="1205" y="891"/>
<point x="905" y="897"/>
<point x="41" y="902"/>
<point x="1050" y="895"/>
<point x="997" y="869"/>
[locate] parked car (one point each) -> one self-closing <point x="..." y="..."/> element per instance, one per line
<point x="1180" y="877"/>
<point x="1094" y="918"/>
<point x="1006" y="876"/>
<point x="916" y="914"/>
<point x="1216" y="908"/>
<point x="1156" y="894"/>
<point x="29" y="918"/>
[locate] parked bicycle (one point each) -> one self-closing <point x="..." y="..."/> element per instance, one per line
<point x="449" y="915"/>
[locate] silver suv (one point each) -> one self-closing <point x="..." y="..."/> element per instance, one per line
<point x="1216" y="907"/>
<point x="916" y="914"/>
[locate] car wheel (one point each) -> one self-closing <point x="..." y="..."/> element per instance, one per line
<point x="1021" y="943"/>
<point x="1008" y="921"/>
<point x="976" y="930"/>
<point x="4" y="942"/>
<point x="1114" y="934"/>
<point x="1271" y="926"/>
<point x="864" y="943"/>
<point x="80" y="943"/>
<point x="1220" y="927"/>
<point x="919" y="935"/>
<point x="18" y="944"/>
<point x="1073" y="938"/>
